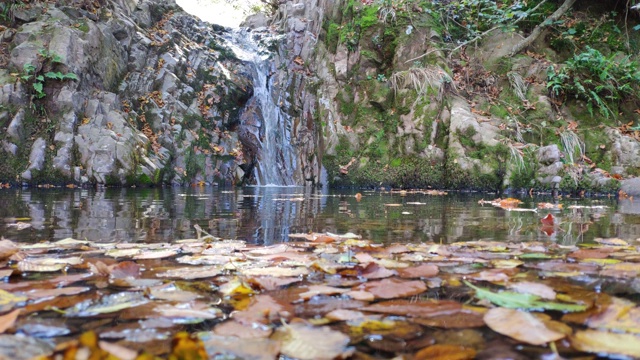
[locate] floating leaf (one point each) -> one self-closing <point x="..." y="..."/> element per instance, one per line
<point x="7" y="248"/>
<point x="108" y="304"/>
<point x="7" y="320"/>
<point x="244" y="331"/>
<point x="445" y="352"/>
<point x="611" y="242"/>
<point x="524" y="326"/>
<point x="411" y="308"/>
<point x="314" y="290"/>
<point x="232" y="347"/>
<point x="190" y="273"/>
<point x="9" y="300"/>
<point x="604" y="342"/>
<point x="515" y="300"/>
<point x="420" y="271"/>
<point x="394" y="288"/>
<point x="275" y="271"/>
<point x="236" y="286"/>
<point x="307" y="342"/>
<point x="528" y="287"/>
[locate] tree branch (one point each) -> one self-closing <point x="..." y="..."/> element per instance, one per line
<point x="537" y="31"/>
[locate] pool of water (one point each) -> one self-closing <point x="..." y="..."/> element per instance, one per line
<point x="266" y="215"/>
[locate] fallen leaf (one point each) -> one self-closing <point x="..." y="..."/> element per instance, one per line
<point x="515" y="300"/>
<point x="108" y="304"/>
<point x="524" y="326"/>
<point x="314" y="290"/>
<point x="445" y="352"/>
<point x="528" y="287"/>
<point x="272" y="283"/>
<point x="7" y="248"/>
<point x="232" y="347"/>
<point x="7" y="320"/>
<point x="275" y="271"/>
<point x="604" y="342"/>
<point x="190" y="273"/>
<point x="243" y="331"/>
<point x="427" y="308"/>
<point x="420" y="271"/>
<point x="395" y="288"/>
<point x="307" y="342"/>
<point x="9" y="300"/>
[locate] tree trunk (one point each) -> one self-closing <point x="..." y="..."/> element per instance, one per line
<point x="539" y="28"/>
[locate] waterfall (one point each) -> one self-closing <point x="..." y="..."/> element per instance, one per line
<point x="267" y="127"/>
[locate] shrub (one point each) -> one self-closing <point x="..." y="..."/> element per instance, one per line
<point x="602" y="81"/>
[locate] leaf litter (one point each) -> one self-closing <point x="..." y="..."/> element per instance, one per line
<point x="321" y="295"/>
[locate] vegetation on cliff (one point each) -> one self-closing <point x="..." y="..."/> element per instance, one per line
<point x="523" y="70"/>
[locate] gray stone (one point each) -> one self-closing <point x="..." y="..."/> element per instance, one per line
<point x="7" y="35"/>
<point x="25" y="53"/>
<point x="9" y="147"/>
<point x="36" y="158"/>
<point x="631" y="186"/>
<point x="15" y="130"/>
<point x="255" y="21"/>
<point x="548" y="155"/>
<point x="27" y="14"/>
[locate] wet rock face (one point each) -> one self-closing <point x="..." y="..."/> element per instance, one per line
<point x="132" y="92"/>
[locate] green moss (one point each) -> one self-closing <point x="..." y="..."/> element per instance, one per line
<point x="369" y="17"/>
<point x="333" y="37"/>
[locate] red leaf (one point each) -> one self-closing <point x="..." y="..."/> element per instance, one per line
<point x="547" y="220"/>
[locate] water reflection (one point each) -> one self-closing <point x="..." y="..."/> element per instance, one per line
<point x="265" y="215"/>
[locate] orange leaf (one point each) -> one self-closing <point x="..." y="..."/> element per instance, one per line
<point x="547" y="220"/>
<point x="7" y="320"/>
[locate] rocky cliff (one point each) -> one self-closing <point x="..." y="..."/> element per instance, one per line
<point x="403" y="100"/>
<point x="124" y="92"/>
<point x="363" y="93"/>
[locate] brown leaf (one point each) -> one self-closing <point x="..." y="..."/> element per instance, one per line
<point x="125" y="269"/>
<point x="7" y="320"/>
<point x="262" y="310"/>
<point x="411" y="308"/>
<point x="604" y="342"/>
<point x="314" y="290"/>
<point x="462" y="319"/>
<point x="36" y="294"/>
<point x="7" y="248"/>
<point x="271" y="283"/>
<point x="524" y="326"/>
<point x="445" y="352"/>
<point x="302" y="341"/>
<point x="420" y="271"/>
<point x="394" y="288"/>
<point x="528" y="287"/>
<point x="375" y="271"/>
<point x="243" y="331"/>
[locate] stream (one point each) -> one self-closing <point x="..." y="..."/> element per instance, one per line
<point x="267" y="215"/>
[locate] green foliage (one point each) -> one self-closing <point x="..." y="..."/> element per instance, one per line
<point x="514" y="300"/>
<point x="602" y="81"/>
<point x="467" y="19"/>
<point x="597" y="31"/>
<point x="37" y="78"/>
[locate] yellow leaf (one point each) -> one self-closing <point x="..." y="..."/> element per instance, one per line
<point x="599" y="342"/>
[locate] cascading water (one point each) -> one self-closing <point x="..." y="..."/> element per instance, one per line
<point x="266" y="126"/>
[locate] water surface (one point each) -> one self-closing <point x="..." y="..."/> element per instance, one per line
<point x="267" y="215"/>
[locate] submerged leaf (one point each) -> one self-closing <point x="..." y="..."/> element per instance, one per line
<point x="515" y="300"/>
